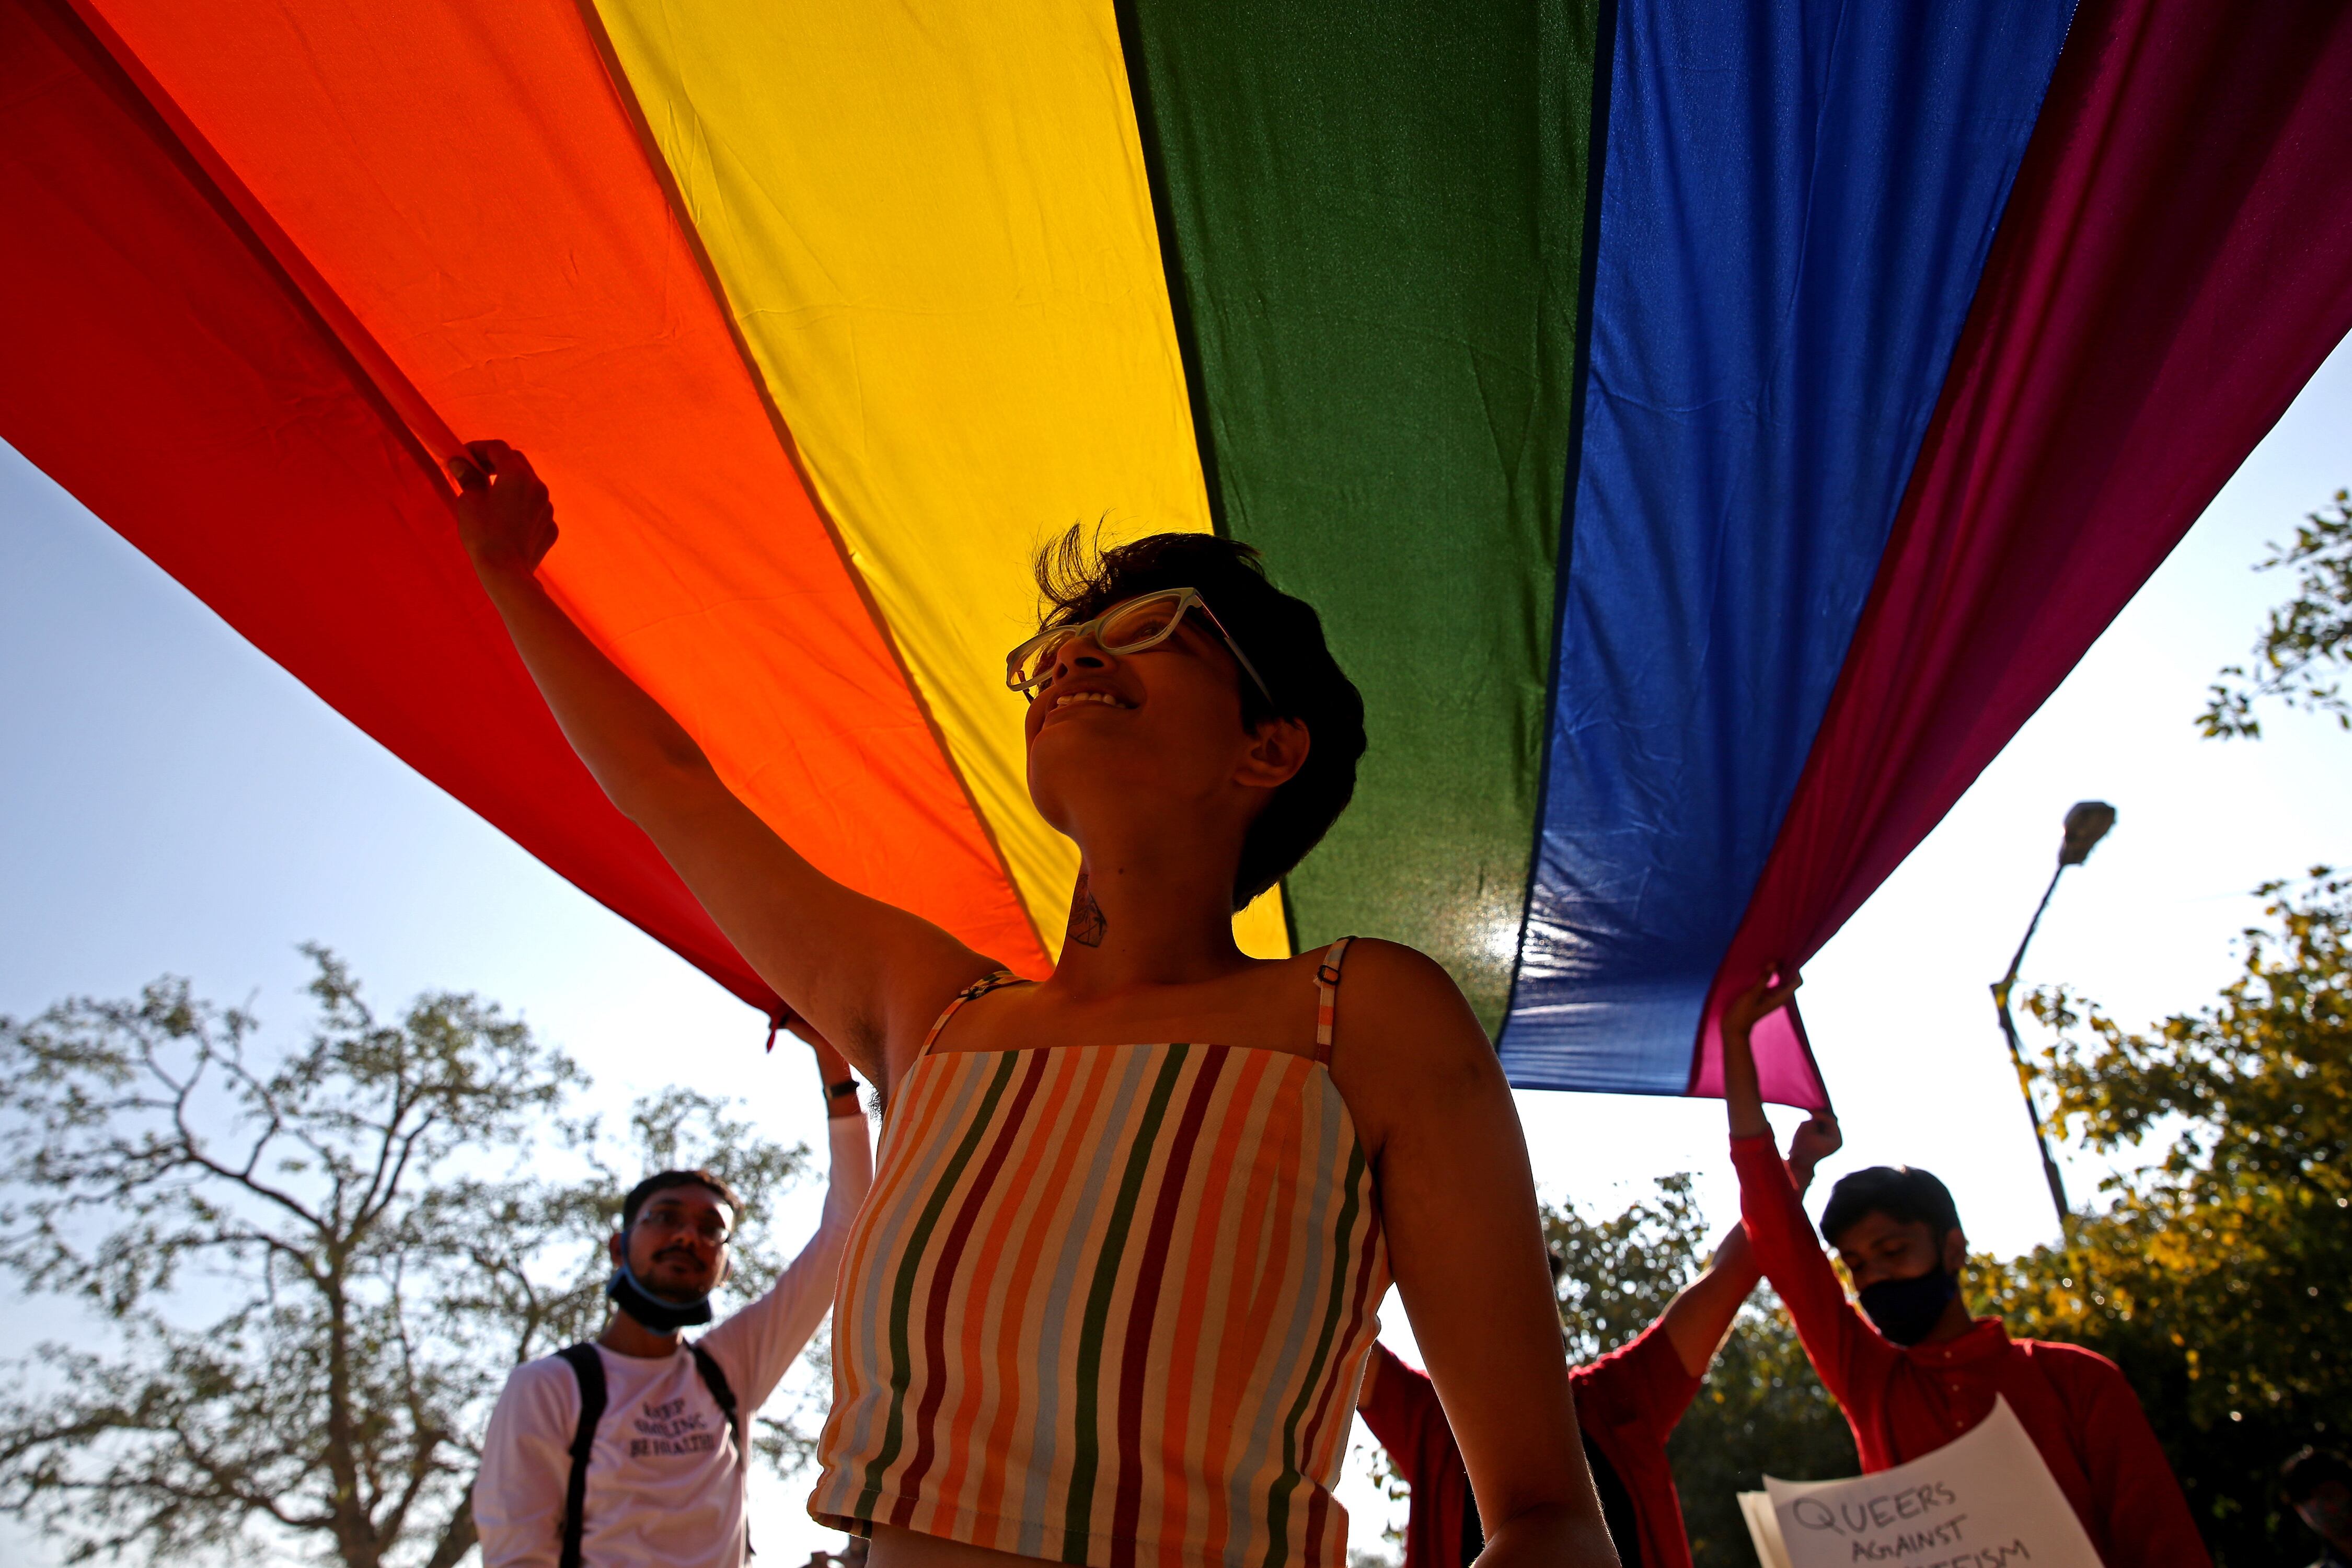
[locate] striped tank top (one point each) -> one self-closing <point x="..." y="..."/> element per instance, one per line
<point x="1108" y="1305"/>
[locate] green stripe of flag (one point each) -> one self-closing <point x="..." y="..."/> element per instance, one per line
<point x="1377" y="211"/>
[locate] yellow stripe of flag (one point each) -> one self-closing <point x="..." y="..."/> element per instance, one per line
<point x="933" y="228"/>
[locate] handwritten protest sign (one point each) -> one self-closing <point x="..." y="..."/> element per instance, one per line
<point x="1763" y="1529"/>
<point x="1983" y="1500"/>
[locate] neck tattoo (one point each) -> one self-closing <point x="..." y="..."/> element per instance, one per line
<point x="1087" y="922"/>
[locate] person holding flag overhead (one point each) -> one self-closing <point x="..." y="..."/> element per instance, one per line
<point x="1132" y="1223"/>
<point x="1906" y="1361"/>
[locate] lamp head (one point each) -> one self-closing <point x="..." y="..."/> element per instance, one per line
<point x="2087" y="824"/>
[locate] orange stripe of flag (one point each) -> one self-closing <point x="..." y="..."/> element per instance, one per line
<point x="468" y="182"/>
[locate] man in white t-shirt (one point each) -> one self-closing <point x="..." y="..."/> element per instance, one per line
<point x="663" y="1482"/>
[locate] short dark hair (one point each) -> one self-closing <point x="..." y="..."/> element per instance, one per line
<point x="662" y="1181"/>
<point x="1284" y="639"/>
<point x="1903" y="1193"/>
<point x="2311" y="1468"/>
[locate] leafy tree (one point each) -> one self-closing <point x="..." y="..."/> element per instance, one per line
<point x="317" y="1265"/>
<point x="1761" y="1407"/>
<point x="2306" y="648"/>
<point x="1622" y="1271"/>
<point x="2219" y="1276"/>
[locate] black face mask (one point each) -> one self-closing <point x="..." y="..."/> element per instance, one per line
<point x="1906" y="1310"/>
<point x="662" y="1317"/>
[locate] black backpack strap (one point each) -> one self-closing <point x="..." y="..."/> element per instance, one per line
<point x="723" y="1393"/>
<point x="589" y="1368"/>
<point x="716" y="1381"/>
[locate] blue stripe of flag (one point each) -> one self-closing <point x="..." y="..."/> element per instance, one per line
<point x="1796" y="202"/>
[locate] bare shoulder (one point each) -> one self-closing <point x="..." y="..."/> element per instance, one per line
<point x="1406" y="1046"/>
<point x="919" y="993"/>
<point x="1397" y="996"/>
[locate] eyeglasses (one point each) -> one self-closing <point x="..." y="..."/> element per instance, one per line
<point x="669" y="1221"/>
<point x="1129" y="626"/>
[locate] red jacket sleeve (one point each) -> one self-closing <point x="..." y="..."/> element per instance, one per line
<point x="2145" y="1518"/>
<point x="1403" y="1404"/>
<point x="1848" y="1353"/>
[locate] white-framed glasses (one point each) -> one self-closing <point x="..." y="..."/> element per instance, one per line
<point x="1129" y="626"/>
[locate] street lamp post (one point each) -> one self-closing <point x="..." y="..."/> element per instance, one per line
<point x="2087" y="824"/>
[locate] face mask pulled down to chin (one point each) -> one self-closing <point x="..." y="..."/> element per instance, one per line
<point x="1906" y="1311"/>
<point x="661" y="1315"/>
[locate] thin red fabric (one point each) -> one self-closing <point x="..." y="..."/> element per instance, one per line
<point x="163" y="369"/>
<point x="2175" y="263"/>
<point x="1906" y="1400"/>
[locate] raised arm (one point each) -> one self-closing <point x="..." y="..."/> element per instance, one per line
<point x="1742" y="1096"/>
<point x="1458" y="1203"/>
<point x="869" y="975"/>
<point x="1398" y="1404"/>
<point x="1843" y="1348"/>
<point x="760" y="1343"/>
<point x="1698" y="1319"/>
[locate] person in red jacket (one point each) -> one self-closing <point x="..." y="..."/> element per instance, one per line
<point x="1627" y="1404"/>
<point x="1909" y="1366"/>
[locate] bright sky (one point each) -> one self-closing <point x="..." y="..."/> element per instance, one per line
<point x="172" y="802"/>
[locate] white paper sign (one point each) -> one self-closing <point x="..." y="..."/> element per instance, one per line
<point x="1983" y="1500"/>
<point x="1763" y="1529"/>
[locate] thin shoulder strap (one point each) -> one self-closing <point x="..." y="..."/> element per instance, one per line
<point x="1327" y="986"/>
<point x="589" y="1368"/>
<point x="973" y="992"/>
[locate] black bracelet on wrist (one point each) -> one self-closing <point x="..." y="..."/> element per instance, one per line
<point x="834" y="1091"/>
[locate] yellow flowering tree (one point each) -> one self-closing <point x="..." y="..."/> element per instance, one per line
<point x="2219" y="1274"/>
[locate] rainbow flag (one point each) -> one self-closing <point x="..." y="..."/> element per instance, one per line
<point x="1708" y="427"/>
